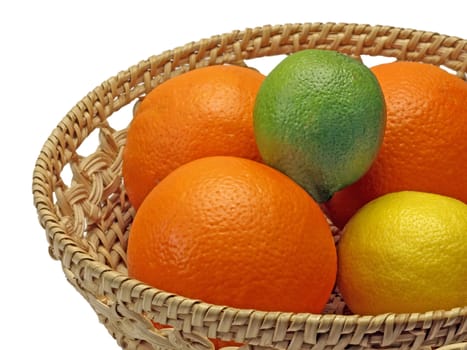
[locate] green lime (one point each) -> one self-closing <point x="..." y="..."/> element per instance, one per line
<point x="319" y="117"/>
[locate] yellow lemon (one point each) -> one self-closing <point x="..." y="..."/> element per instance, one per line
<point x="405" y="252"/>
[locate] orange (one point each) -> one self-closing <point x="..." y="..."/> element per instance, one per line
<point x="232" y="231"/>
<point x="204" y="112"/>
<point x="425" y="144"/>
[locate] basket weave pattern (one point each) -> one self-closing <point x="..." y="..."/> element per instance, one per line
<point x="86" y="220"/>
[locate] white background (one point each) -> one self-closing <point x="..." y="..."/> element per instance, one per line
<point x="52" y="54"/>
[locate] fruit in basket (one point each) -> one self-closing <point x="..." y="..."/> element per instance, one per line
<point x="425" y="142"/>
<point x="204" y="112"/>
<point x="405" y="252"/>
<point x="232" y="231"/>
<point x="319" y="117"/>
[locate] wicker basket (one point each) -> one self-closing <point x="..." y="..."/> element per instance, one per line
<point x="86" y="219"/>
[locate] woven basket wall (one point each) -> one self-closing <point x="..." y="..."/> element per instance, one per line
<point x="82" y="206"/>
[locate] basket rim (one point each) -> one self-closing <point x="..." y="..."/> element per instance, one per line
<point x="65" y="248"/>
<point x="117" y="281"/>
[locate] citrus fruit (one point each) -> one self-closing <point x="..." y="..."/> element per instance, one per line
<point x="319" y="117"/>
<point x="203" y="112"/>
<point x="405" y="252"/>
<point x="232" y="231"/>
<point x="425" y="144"/>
